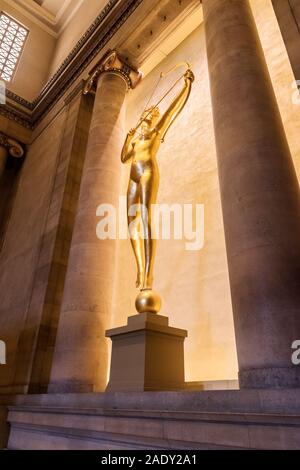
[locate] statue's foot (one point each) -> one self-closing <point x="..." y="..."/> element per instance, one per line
<point x="139" y="281"/>
<point x="147" y="284"/>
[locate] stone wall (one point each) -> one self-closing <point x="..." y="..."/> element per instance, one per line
<point x="288" y="15"/>
<point x="35" y="250"/>
<point x="281" y="73"/>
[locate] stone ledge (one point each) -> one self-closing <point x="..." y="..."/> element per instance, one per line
<point x="247" y="419"/>
<point x="34" y="428"/>
<point x="78" y="439"/>
<point x="252" y="401"/>
<point x="212" y="417"/>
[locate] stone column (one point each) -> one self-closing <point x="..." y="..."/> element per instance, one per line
<point x="260" y="198"/>
<point x="81" y="352"/>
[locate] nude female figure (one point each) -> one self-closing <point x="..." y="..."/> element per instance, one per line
<point x="141" y="151"/>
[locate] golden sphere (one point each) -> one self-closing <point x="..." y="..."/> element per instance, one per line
<point x="148" y="301"/>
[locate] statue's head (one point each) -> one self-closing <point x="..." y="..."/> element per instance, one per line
<point x="150" y="118"/>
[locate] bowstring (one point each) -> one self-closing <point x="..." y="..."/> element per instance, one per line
<point x="169" y="91"/>
<point x="161" y="99"/>
<point x="149" y="100"/>
<point x="162" y="75"/>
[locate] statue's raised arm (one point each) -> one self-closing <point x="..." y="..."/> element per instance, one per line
<point x="176" y="106"/>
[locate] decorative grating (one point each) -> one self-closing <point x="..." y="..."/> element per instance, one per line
<point x="12" y="40"/>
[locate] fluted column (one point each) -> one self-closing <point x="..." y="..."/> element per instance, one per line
<point x="81" y="355"/>
<point x="260" y="198"/>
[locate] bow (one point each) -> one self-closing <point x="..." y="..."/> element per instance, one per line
<point x="162" y="75"/>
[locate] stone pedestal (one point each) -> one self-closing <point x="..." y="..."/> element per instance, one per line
<point x="147" y="354"/>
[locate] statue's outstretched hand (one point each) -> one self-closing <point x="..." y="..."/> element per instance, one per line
<point x="131" y="132"/>
<point x="189" y="75"/>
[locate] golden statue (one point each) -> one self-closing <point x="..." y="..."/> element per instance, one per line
<point x="141" y="150"/>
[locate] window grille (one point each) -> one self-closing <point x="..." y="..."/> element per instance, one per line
<point x="12" y="40"/>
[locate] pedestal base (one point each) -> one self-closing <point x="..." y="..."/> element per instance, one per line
<point x="147" y="355"/>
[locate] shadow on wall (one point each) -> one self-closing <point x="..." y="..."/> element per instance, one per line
<point x="8" y="187"/>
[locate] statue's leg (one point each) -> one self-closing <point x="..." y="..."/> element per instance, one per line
<point x="148" y="194"/>
<point x="133" y="199"/>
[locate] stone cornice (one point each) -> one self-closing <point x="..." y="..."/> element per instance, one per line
<point x="82" y="42"/>
<point x="17" y="115"/>
<point x="112" y="17"/>
<point x="135" y="44"/>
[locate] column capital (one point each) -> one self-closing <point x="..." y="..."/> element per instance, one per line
<point x="112" y="63"/>
<point x="14" y="148"/>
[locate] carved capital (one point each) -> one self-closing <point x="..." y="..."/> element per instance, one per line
<point x="112" y="63"/>
<point x="14" y="148"/>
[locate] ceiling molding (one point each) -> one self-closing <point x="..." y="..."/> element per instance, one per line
<point x="45" y="23"/>
<point x="105" y="27"/>
<point x="106" y="24"/>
